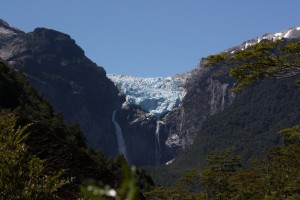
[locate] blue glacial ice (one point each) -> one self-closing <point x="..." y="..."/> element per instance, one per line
<point x="156" y="95"/>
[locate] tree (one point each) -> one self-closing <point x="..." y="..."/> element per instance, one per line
<point x="22" y="175"/>
<point x="266" y="59"/>
<point x="215" y="178"/>
<point x="277" y="176"/>
<point x="282" y="167"/>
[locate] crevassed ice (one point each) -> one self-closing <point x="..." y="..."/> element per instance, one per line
<point x="156" y="95"/>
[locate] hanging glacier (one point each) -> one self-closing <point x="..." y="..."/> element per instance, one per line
<point x="156" y="95"/>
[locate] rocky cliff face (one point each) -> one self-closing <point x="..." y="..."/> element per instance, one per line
<point x="208" y="92"/>
<point x="138" y="128"/>
<point x="73" y="84"/>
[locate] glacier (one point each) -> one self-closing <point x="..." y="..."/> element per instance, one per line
<point x="156" y="95"/>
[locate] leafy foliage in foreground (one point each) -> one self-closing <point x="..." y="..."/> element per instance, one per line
<point x="132" y="182"/>
<point x="22" y="175"/>
<point x="128" y="189"/>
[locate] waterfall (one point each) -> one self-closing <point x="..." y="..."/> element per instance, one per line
<point x="213" y="102"/>
<point x="224" y="89"/>
<point x="119" y="134"/>
<point x="157" y="142"/>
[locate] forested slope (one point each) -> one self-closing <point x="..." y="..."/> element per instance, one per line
<point x="59" y="149"/>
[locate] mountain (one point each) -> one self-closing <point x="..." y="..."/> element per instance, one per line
<point x="248" y="120"/>
<point x="206" y="92"/>
<point x="148" y="120"/>
<point x="79" y="89"/>
<point x="61" y="146"/>
<point x="75" y="86"/>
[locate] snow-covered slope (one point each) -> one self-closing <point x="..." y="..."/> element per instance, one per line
<point x="291" y="33"/>
<point x="155" y="95"/>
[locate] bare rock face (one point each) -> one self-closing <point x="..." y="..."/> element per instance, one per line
<point x="208" y="92"/>
<point x="11" y="41"/>
<point x="75" y="86"/>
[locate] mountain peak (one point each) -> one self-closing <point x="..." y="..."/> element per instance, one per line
<point x="50" y="33"/>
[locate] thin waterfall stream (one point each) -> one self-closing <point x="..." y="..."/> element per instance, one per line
<point x="157" y="142"/>
<point x="119" y="134"/>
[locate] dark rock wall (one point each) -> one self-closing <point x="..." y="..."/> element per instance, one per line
<point x="208" y="92"/>
<point x="73" y="84"/>
<point x="138" y="129"/>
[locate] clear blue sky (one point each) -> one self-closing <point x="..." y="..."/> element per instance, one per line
<point x="153" y="37"/>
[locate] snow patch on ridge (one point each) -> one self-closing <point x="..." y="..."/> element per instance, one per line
<point x="156" y="95"/>
<point x="292" y="33"/>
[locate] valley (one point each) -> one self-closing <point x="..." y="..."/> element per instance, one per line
<point x="166" y="125"/>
